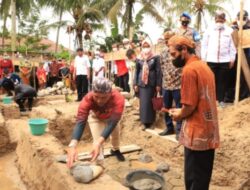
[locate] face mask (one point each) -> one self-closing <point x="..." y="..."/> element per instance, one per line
<point x="184" y="23"/>
<point x="114" y="49"/>
<point x="244" y="22"/>
<point x="179" y="62"/>
<point x="127" y="46"/>
<point x="146" y="50"/>
<point x="219" y="25"/>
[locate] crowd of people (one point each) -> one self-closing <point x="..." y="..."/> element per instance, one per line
<point x="194" y="73"/>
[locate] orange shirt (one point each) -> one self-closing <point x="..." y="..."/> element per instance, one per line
<point x="200" y="130"/>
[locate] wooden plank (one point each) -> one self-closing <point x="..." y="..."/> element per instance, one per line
<point x="246" y="69"/>
<point x="156" y="132"/>
<point x="86" y="155"/>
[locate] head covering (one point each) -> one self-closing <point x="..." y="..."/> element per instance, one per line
<point x="125" y="41"/>
<point x="8" y="84"/>
<point x="168" y="35"/>
<point x="102" y="85"/>
<point x="245" y="14"/>
<point x="220" y="15"/>
<point x="146" y="56"/>
<point x="180" y="41"/>
<point x="186" y="14"/>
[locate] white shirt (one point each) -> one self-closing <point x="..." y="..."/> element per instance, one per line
<point x="46" y="67"/>
<point x="82" y="65"/>
<point x="98" y="63"/>
<point x="217" y="45"/>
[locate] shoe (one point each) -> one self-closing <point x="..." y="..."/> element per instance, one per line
<point x="167" y="132"/>
<point x="222" y="104"/>
<point x="118" y="155"/>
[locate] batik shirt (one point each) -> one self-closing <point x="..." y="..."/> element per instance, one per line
<point x="171" y="79"/>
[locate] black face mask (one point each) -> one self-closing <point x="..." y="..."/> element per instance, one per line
<point x="179" y="62"/>
<point x="184" y="23"/>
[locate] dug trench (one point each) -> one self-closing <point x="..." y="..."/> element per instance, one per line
<point x="36" y="169"/>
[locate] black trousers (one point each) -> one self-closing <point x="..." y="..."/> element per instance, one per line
<point x="123" y="82"/>
<point x="21" y="102"/>
<point x="221" y="71"/>
<point x="82" y="86"/>
<point x="53" y="80"/>
<point x="198" y="168"/>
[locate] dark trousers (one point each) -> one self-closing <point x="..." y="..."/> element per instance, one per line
<point x="123" y="82"/>
<point x="21" y="102"/>
<point x="220" y="71"/>
<point x="198" y="166"/>
<point x="82" y="86"/>
<point x="168" y="97"/>
<point x="53" y="80"/>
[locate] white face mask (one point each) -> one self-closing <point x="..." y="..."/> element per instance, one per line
<point x="219" y="25"/>
<point x="244" y="22"/>
<point x="114" y="49"/>
<point x="146" y="50"/>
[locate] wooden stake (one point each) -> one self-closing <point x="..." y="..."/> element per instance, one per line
<point x="237" y="88"/>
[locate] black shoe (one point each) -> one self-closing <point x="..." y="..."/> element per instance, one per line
<point x="118" y="155"/>
<point x="167" y="132"/>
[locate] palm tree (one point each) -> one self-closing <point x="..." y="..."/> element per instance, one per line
<point x="125" y="10"/>
<point x="59" y="7"/>
<point x="18" y="8"/>
<point x="4" y="13"/>
<point x="198" y="7"/>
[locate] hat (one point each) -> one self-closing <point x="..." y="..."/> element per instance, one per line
<point x="168" y="35"/>
<point x="185" y="14"/>
<point x="220" y="15"/>
<point x="125" y="41"/>
<point x="146" y="41"/>
<point x="180" y="41"/>
<point x="102" y="85"/>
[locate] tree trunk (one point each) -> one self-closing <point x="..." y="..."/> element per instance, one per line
<point x="4" y="30"/>
<point x="13" y="26"/>
<point x="58" y="29"/>
<point x="130" y="21"/>
<point x="79" y="38"/>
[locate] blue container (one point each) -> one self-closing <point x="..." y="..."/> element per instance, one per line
<point x="38" y="126"/>
<point x="7" y="100"/>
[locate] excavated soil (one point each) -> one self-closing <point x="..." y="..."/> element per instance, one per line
<point x="231" y="168"/>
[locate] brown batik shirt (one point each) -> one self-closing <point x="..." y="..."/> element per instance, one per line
<point x="171" y="79"/>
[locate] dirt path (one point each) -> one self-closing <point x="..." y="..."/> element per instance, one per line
<point x="9" y="176"/>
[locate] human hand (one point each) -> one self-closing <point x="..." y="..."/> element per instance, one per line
<point x="165" y="110"/>
<point x="175" y="114"/>
<point x="231" y="64"/>
<point x="72" y="156"/>
<point x="136" y="88"/>
<point x="158" y="89"/>
<point x="95" y="152"/>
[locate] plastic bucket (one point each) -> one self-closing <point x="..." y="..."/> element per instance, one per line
<point x="38" y="126"/>
<point x="7" y="100"/>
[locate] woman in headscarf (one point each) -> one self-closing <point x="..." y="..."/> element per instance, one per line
<point x="147" y="82"/>
<point x="25" y="71"/>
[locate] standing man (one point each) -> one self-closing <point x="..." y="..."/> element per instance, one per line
<point x="82" y="73"/>
<point x="171" y="85"/>
<point x="102" y="108"/>
<point x="54" y="71"/>
<point x="98" y="66"/>
<point x="189" y="32"/>
<point x="200" y="131"/>
<point x="219" y="51"/>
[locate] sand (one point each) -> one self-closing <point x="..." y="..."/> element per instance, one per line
<point x="231" y="168"/>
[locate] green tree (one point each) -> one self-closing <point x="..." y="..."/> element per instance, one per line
<point x="199" y="8"/>
<point x="125" y="10"/>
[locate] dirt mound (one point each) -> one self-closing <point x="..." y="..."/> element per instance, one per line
<point x="62" y="119"/>
<point x="232" y="166"/>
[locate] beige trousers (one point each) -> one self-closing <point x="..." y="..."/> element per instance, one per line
<point x="97" y="126"/>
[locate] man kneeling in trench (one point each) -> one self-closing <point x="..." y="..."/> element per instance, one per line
<point x="102" y="108"/>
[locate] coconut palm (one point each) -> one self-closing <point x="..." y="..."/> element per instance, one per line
<point x="18" y="9"/>
<point x="125" y="10"/>
<point x="59" y="7"/>
<point x="199" y="8"/>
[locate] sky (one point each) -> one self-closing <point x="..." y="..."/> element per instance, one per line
<point x="150" y="27"/>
